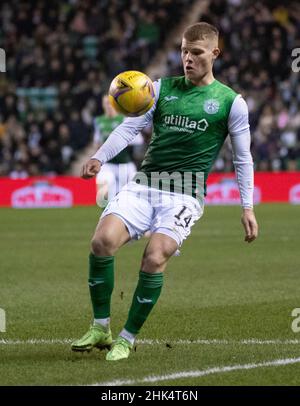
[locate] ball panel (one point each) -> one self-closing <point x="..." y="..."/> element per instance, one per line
<point x="132" y="93"/>
<point x="116" y="106"/>
<point x="145" y="109"/>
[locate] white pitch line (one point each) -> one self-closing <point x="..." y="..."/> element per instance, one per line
<point x="36" y="341"/>
<point x="249" y="341"/>
<point x="199" y="373"/>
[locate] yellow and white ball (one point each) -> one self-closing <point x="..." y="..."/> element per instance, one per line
<point x="132" y="93"/>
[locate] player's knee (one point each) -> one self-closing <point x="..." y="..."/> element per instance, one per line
<point x="103" y="246"/>
<point x="153" y="261"/>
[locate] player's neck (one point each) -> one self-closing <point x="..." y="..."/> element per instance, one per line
<point x="205" y="80"/>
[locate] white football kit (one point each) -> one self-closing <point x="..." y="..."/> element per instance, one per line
<point x="142" y="208"/>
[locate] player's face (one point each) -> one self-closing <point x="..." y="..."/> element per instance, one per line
<point x="197" y="58"/>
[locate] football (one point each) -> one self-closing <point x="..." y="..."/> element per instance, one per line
<point x="131" y="93"/>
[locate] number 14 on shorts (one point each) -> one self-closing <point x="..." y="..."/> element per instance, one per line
<point x="183" y="219"/>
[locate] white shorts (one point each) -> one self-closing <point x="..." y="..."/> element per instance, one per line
<point x="116" y="176"/>
<point x="142" y="208"/>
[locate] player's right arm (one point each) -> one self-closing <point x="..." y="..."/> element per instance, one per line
<point x="90" y="169"/>
<point x="119" y="139"/>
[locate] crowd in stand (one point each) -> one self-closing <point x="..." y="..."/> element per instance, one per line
<point x="62" y="55"/>
<point x="60" y="59"/>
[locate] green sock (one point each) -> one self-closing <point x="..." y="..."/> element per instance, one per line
<point x="144" y="298"/>
<point x="101" y="284"/>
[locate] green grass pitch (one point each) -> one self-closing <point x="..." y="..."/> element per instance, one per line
<point x="218" y="295"/>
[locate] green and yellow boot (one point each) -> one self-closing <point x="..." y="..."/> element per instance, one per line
<point x="120" y="350"/>
<point x="96" y="337"/>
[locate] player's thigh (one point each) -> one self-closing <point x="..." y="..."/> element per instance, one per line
<point x="110" y="232"/>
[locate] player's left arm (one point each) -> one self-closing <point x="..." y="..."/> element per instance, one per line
<point x="239" y="130"/>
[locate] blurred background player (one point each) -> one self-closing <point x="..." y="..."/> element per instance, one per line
<point x="120" y="169"/>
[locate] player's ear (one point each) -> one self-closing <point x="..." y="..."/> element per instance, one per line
<point x="216" y="52"/>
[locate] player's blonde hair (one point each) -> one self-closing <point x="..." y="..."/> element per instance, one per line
<point x="201" y="31"/>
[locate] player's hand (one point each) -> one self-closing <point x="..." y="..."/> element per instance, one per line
<point x="250" y="225"/>
<point x="90" y="169"/>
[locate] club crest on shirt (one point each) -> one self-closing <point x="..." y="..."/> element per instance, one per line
<point x="211" y="106"/>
